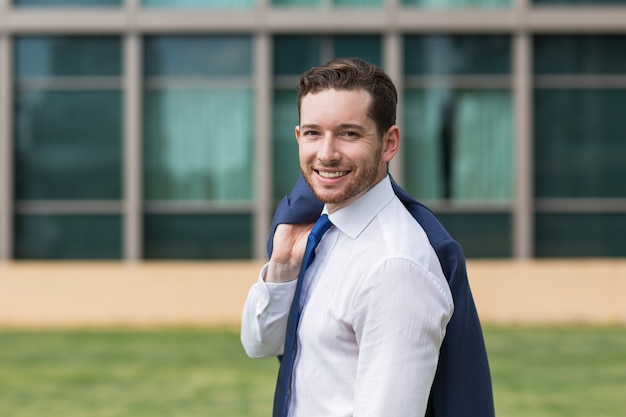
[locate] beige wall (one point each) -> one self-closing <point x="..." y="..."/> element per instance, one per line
<point x="211" y="294"/>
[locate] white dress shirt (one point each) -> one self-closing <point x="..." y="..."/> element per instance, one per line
<point x="375" y="306"/>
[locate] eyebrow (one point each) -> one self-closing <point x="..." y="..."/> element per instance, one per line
<point x="340" y="127"/>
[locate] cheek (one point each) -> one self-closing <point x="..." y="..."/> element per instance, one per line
<point x="305" y="152"/>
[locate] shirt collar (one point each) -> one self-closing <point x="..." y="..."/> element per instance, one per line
<point x="355" y="217"/>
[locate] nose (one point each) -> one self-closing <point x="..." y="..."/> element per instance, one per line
<point x="328" y="151"/>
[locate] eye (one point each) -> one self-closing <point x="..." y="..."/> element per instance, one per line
<point x="350" y="134"/>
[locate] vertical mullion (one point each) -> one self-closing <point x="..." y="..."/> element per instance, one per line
<point x="133" y="224"/>
<point x="523" y="224"/>
<point x="263" y="153"/>
<point x="392" y="62"/>
<point x="6" y="150"/>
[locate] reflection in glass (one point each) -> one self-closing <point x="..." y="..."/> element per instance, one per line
<point x="201" y="4"/>
<point x="579" y="2"/>
<point x="458" y="138"/>
<point x="68" y="237"/>
<point x="580" y="54"/>
<point x="198" y="118"/>
<point x="67" y="56"/>
<point x="579" y="143"/>
<point x="68" y="145"/>
<point x="321" y="3"/>
<point x="66" y="3"/>
<point x="198" y="144"/>
<point x="458" y="144"/>
<point x="198" y="236"/>
<point x="457" y="54"/>
<point x="68" y="117"/>
<point x="482" y="235"/>
<point x="457" y="3"/>
<point x="561" y="235"/>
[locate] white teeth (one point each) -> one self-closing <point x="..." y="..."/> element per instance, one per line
<point x="332" y="174"/>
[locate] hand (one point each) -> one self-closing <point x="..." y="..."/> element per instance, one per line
<point x="289" y="246"/>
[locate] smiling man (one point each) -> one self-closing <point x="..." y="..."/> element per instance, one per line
<point x="372" y="307"/>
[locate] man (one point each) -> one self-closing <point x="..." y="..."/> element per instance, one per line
<point x="375" y="302"/>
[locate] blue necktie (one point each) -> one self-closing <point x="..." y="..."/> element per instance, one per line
<point x="283" y="384"/>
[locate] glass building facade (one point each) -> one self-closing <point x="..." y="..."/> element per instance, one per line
<point x="164" y="129"/>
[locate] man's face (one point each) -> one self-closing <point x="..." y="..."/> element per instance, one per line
<point x="341" y="154"/>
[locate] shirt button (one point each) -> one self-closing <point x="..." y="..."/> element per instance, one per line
<point x="277" y="298"/>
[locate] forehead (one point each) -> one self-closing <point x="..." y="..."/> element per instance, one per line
<point x="333" y="105"/>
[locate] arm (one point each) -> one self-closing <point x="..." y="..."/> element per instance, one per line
<point x="400" y="321"/>
<point x="264" y="317"/>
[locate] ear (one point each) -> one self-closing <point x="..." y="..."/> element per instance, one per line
<point x="297" y="132"/>
<point x="391" y="143"/>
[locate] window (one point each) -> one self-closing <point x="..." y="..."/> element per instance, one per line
<point x="579" y="144"/>
<point x="67" y="3"/>
<point x="206" y="4"/>
<point x="580" y="2"/>
<point x="458" y="118"/>
<point x="67" y="133"/>
<point x="198" y="236"/>
<point x="198" y="118"/>
<point x="579" y="117"/>
<point x="457" y="3"/>
<point x="67" y="236"/>
<point x="458" y="135"/>
<point x="68" y="118"/>
<point x="198" y="145"/>
<point x="319" y="3"/>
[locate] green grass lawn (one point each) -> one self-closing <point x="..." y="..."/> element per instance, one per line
<point x="192" y="372"/>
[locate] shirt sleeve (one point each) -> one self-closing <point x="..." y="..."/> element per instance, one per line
<point x="401" y="316"/>
<point x="264" y="317"/>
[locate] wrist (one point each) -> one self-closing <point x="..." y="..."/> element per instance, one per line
<point x="281" y="272"/>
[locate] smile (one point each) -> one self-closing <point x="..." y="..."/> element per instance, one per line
<point x="337" y="174"/>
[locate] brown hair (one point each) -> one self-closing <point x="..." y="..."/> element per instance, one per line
<point x="354" y="74"/>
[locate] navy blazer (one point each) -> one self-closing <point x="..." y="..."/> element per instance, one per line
<point x="462" y="384"/>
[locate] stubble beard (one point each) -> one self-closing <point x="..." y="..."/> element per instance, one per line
<point x="363" y="182"/>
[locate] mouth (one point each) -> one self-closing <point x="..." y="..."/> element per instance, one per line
<point x="332" y="174"/>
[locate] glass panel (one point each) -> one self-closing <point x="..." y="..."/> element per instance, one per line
<point x="456" y="3"/>
<point x="198" y="144"/>
<point x="596" y="54"/>
<point x="198" y="55"/>
<point x="296" y="2"/>
<point x="67" y="3"/>
<point x="579" y="2"/>
<point x="198" y="131"/>
<point x="579" y="143"/>
<point x="68" y="117"/>
<point x="196" y="236"/>
<point x="286" y="161"/>
<point x="457" y="54"/>
<point x="580" y="235"/>
<point x="208" y="4"/>
<point x="338" y="3"/>
<point x="293" y="55"/>
<point x="368" y="48"/>
<point x="352" y="3"/>
<point x="458" y="144"/>
<point x="482" y="235"/>
<point x="458" y="141"/>
<point x="68" y="145"/>
<point x="67" y="56"/>
<point x="68" y="237"/>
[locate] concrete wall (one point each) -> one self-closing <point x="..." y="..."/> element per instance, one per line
<point x="36" y="295"/>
